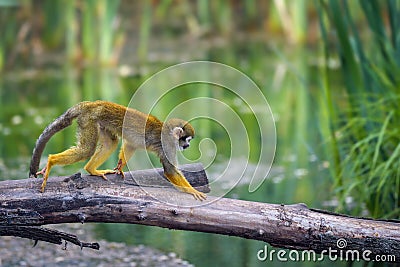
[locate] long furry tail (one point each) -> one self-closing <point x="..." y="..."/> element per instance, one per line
<point x="57" y="125"/>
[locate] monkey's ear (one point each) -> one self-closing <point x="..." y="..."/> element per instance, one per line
<point x="177" y="132"/>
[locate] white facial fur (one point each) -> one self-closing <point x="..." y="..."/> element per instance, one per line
<point x="177" y="132"/>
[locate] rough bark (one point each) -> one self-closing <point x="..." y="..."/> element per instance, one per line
<point x="91" y="199"/>
<point x="38" y="233"/>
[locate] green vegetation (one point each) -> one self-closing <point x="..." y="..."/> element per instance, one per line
<point x="92" y="31"/>
<point x="75" y="29"/>
<point x="363" y="127"/>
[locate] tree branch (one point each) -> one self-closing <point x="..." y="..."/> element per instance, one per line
<point x="44" y="234"/>
<point x="91" y="199"/>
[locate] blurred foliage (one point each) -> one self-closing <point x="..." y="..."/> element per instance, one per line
<point x="96" y="31"/>
<point x="364" y="128"/>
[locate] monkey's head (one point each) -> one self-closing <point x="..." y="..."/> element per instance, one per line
<point x="181" y="131"/>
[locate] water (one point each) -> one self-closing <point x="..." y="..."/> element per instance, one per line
<point x="31" y="98"/>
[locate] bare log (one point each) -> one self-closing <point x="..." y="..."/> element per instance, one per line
<point x="90" y="199"/>
<point x="16" y="220"/>
<point x="38" y="233"/>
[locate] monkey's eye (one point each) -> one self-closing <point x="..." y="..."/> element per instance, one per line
<point x="185" y="138"/>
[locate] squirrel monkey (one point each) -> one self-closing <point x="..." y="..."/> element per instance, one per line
<point x="100" y="125"/>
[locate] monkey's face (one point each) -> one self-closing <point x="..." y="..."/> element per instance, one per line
<point x="184" y="142"/>
<point x="182" y="132"/>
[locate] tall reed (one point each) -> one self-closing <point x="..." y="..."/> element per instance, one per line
<point x="363" y="128"/>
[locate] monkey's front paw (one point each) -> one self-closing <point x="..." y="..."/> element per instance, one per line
<point x="198" y="195"/>
<point x="118" y="169"/>
<point x="120" y="172"/>
<point x="42" y="172"/>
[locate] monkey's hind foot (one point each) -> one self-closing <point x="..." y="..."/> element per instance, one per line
<point x="43" y="186"/>
<point x="102" y="173"/>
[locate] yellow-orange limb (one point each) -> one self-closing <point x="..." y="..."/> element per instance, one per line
<point x="106" y="145"/>
<point x="180" y="182"/>
<point x="69" y="156"/>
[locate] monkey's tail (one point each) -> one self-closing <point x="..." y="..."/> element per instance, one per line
<point x="57" y="125"/>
